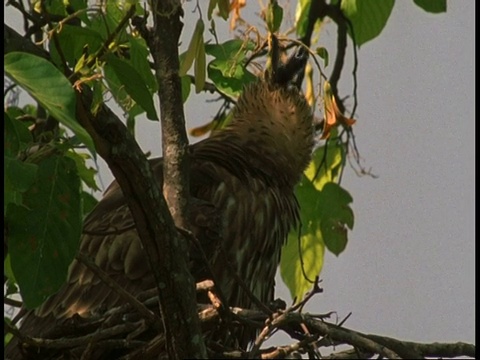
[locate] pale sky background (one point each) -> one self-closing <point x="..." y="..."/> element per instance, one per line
<point x="409" y="268"/>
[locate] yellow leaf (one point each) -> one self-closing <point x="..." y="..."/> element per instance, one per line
<point x="191" y="52"/>
<point x="309" y="89"/>
<point x="200" y="66"/>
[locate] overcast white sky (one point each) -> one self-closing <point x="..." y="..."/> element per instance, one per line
<point x="409" y="268"/>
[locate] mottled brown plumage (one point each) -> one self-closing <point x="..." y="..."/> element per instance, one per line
<point x="243" y="180"/>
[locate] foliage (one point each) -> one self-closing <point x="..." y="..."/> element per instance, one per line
<point x="50" y="211"/>
<point x="32" y="73"/>
<point x="46" y="152"/>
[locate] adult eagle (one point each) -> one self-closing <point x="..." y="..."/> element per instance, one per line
<point x="243" y="207"/>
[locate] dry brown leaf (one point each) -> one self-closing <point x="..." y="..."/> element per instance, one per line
<point x="202" y="130"/>
<point x="333" y="116"/>
<point x="235" y="7"/>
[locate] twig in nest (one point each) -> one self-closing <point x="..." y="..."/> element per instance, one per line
<point x="217" y="304"/>
<point x="147" y="351"/>
<point x="204" y="285"/>
<point x="72" y="342"/>
<point x="282" y="351"/>
<point x="264" y="334"/>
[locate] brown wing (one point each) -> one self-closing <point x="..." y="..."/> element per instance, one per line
<point x="110" y="238"/>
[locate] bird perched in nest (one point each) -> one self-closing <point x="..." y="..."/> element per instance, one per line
<point x="243" y="207"/>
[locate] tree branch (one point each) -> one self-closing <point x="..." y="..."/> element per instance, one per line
<point x="163" y="42"/>
<point x="414" y="350"/>
<point x="107" y="328"/>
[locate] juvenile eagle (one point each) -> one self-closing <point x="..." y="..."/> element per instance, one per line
<point x="242" y="188"/>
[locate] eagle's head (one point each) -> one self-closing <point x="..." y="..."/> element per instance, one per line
<point x="272" y="122"/>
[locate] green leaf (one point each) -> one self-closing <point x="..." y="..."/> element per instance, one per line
<point x="117" y="9"/>
<point x="87" y="174"/>
<point x="117" y="89"/>
<point x="53" y="7"/>
<point x="336" y="215"/>
<point x="75" y="41"/>
<point x="301" y="17"/>
<point x="327" y="162"/>
<point x="191" y="53"/>
<point x="302" y="262"/>
<point x="45" y="232"/>
<point x="11" y="139"/>
<point x="323" y="53"/>
<point x="274" y="16"/>
<point x="134" y="111"/>
<point x="18" y="174"/>
<point x="234" y="50"/>
<point x="104" y="22"/>
<point x="78" y="5"/>
<point x="44" y="82"/>
<point x="324" y="216"/>
<point x="88" y="203"/>
<point x="432" y="6"/>
<point x="7" y="271"/>
<point x="97" y="99"/>
<point x="227" y="70"/>
<point x="368" y="17"/>
<point x="18" y="178"/>
<point x="224" y="8"/>
<point x="16" y="133"/>
<point x="139" y="60"/>
<point x="134" y="86"/>
<point x="211" y="6"/>
<point x="30" y="109"/>
<point x="231" y="86"/>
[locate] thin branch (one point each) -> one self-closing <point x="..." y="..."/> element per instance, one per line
<point x="413" y="350"/>
<point x="315" y="290"/>
<point x="339" y="61"/>
<point x="282" y="351"/>
<point x="12" y="302"/>
<point x="349" y="336"/>
<point x="182" y="328"/>
<point x="365" y="345"/>
<point x="318" y="10"/>
<point x="355" y="66"/>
